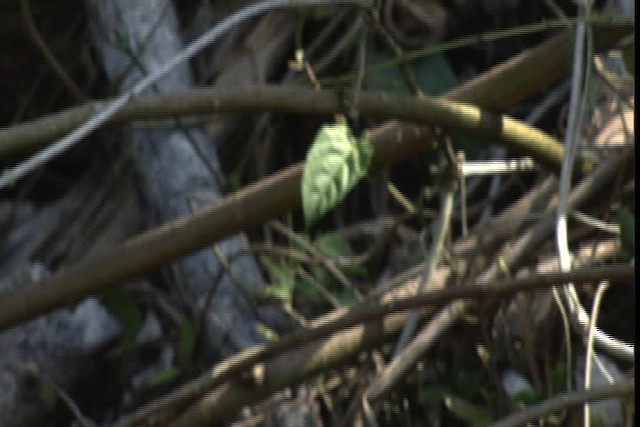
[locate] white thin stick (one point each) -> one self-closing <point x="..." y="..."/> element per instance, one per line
<point x="492" y="167"/>
<point x="596" y="223"/>
<point x="589" y="356"/>
<point x="11" y="175"/>
<point x="532" y="118"/>
<point x="570" y="144"/>
<point x="576" y="113"/>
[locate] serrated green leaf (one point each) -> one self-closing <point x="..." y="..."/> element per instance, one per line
<point x="335" y="163"/>
<point x="124" y="308"/>
<point x="475" y="415"/>
<point x="164" y="376"/>
<point x="186" y="342"/>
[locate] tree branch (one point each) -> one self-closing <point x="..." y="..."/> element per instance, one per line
<point x="565" y="401"/>
<point x="511" y="81"/>
<point x="256" y="203"/>
<point x="369" y="311"/>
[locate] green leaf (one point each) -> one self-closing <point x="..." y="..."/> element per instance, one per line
<point x="281" y="277"/>
<point x="475" y="415"/>
<point x="346" y="297"/>
<point x="307" y="291"/>
<point x="267" y="333"/>
<point x="186" y="342"/>
<point x="164" y="376"/>
<point x="628" y="50"/>
<point x="321" y="275"/>
<point x="322" y="12"/>
<point x="433" y="75"/>
<point x="559" y="374"/>
<point x="627" y="224"/>
<point x="524" y="398"/>
<point x="124" y="308"/>
<point x="278" y="291"/>
<point x="468" y="383"/>
<point x="332" y="245"/>
<point x="433" y="393"/>
<point x="335" y="163"/>
<point x="592" y="93"/>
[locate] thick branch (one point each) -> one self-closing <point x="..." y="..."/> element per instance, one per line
<point x="255" y="204"/>
<point x="505" y="85"/>
<point x="369" y="311"/>
<point x="455" y="117"/>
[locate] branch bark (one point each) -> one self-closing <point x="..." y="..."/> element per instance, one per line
<point x="374" y="310"/>
<point x="268" y="198"/>
<point x="453" y="116"/>
<point x="383" y="318"/>
<point x="502" y="86"/>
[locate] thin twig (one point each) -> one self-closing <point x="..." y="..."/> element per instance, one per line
<point x="320" y="287"/>
<point x="80" y="418"/>
<point x="487" y="37"/>
<point x="330" y="265"/>
<point x="401" y="198"/>
<point x="338" y="46"/>
<point x="58" y="69"/>
<point x="564" y="401"/>
<point x="440" y="231"/>
<point x="361" y="62"/>
<point x="566" y="331"/>
<point x="401" y="58"/>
